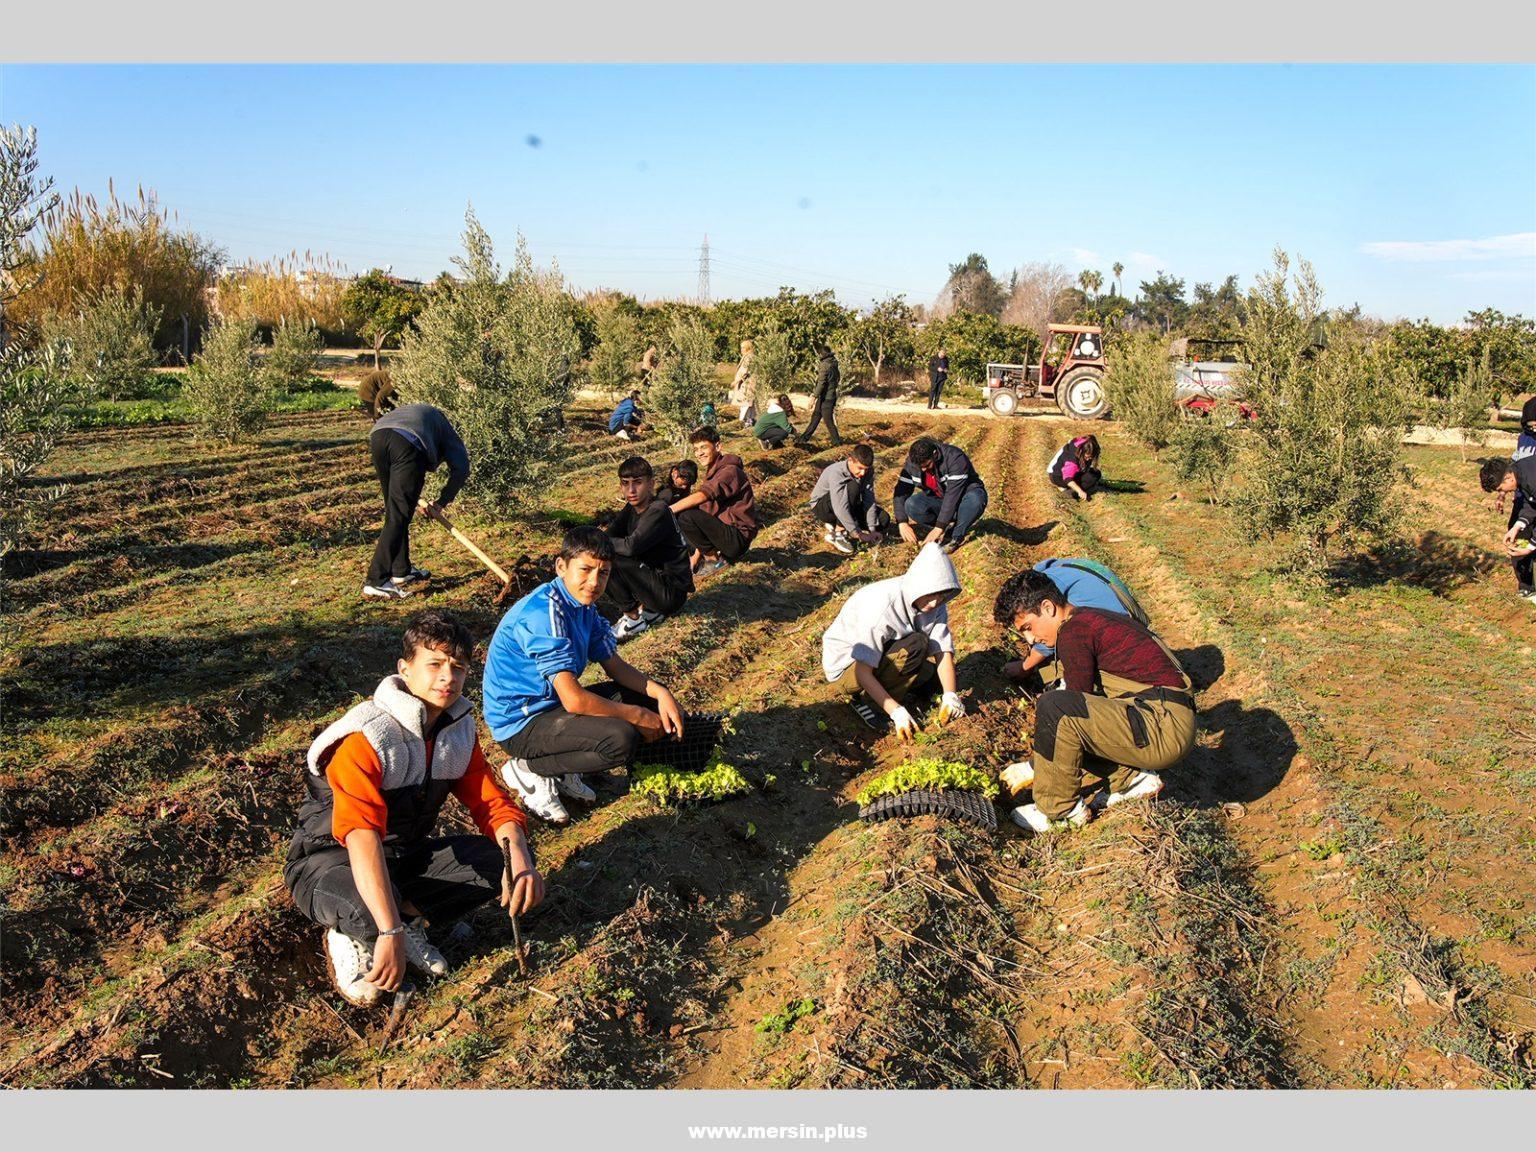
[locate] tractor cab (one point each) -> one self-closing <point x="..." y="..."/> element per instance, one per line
<point x="1070" y="372"/>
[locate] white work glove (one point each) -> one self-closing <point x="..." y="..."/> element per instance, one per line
<point x="951" y="707"/>
<point x="902" y="721"/>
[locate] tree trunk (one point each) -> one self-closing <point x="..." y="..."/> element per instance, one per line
<point x="378" y="343"/>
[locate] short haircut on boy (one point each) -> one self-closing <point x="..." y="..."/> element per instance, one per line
<point x="585" y="540"/>
<point x="704" y="432"/>
<point x="864" y="454"/>
<point x="1492" y="473"/>
<point x="436" y="628"/>
<point x="923" y="449"/>
<point x="635" y="468"/>
<point x="689" y="470"/>
<point x="1022" y="594"/>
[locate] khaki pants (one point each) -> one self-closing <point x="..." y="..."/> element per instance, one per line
<point x="904" y="665"/>
<point x="1077" y="734"/>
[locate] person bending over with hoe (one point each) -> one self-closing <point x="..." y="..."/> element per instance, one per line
<point x="681" y="477"/>
<point x="773" y="428"/>
<point x="552" y="728"/>
<point x="720" y="519"/>
<point x="627" y="419"/>
<point x="364" y="862"/>
<point x="1076" y="467"/>
<point x="1518" y="477"/>
<point x="408" y="443"/>
<point x="1085" y="584"/>
<point x="844" y="501"/>
<point x="939" y="492"/>
<point x="1126" y="713"/>
<point x="650" y="577"/>
<point x="891" y="640"/>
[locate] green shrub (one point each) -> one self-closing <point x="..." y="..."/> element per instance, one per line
<point x="496" y="356"/>
<point x="109" y="344"/>
<point x="684" y="381"/>
<point x="34" y="395"/>
<point x="1139" y="381"/>
<point x="773" y="367"/>
<point x="929" y="774"/>
<point x="225" y="391"/>
<point x="1324" y="464"/>
<point x="614" y="370"/>
<point x="667" y="786"/>
<point x="1204" y="451"/>
<point x="1467" y="406"/>
<point x="785" y="1019"/>
<point x="294" y="355"/>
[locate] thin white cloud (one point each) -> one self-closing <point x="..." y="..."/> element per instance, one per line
<point x="1145" y="260"/>
<point x="1500" y="274"/>
<point x="1515" y="245"/>
<point x="1087" y="257"/>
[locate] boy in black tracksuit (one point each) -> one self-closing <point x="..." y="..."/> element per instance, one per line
<point x="1519" y="477"/>
<point x="824" y="401"/>
<point x="651" y="576"/>
<point x="408" y="443"/>
<point x="939" y="490"/>
<point x="681" y="477"/>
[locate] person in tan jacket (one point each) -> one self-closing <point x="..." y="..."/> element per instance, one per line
<point x="742" y="387"/>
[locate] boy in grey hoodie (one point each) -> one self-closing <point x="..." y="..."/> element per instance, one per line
<point x="891" y="638"/>
<point x="844" y="500"/>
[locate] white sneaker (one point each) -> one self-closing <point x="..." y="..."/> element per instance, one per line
<point x="1031" y="819"/>
<point x="622" y="433"/>
<point x="651" y="619"/>
<point x="572" y="785"/>
<point x="1143" y="785"/>
<point x="844" y="545"/>
<point x="1018" y="776"/>
<point x="536" y="792"/>
<point x="628" y="627"/>
<point x="828" y="533"/>
<point x="388" y="590"/>
<point x="349" y="961"/>
<point x="421" y="953"/>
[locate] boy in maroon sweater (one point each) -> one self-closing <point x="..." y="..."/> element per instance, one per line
<point x="720" y="519"/>
<point x="1125" y="714"/>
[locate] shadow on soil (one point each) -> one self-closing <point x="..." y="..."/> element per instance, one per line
<point x="1436" y="562"/>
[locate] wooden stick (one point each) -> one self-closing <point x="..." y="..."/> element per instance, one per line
<point x="517" y="929"/>
<point x="496" y="568"/>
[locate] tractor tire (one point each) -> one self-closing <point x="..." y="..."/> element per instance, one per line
<point x="969" y="806"/>
<point x="1080" y="394"/>
<point x="1003" y="402"/>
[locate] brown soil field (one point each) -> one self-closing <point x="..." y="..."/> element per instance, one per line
<point x="1337" y="889"/>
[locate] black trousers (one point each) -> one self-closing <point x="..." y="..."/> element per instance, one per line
<point x="711" y="534"/>
<point x="1525" y="566"/>
<point x="557" y="742"/>
<point x="1088" y="480"/>
<point x="444" y="877"/>
<point x="935" y="389"/>
<point x="774" y="437"/>
<point x="826" y="410"/>
<point x="402" y="471"/>
<point x="632" y="584"/>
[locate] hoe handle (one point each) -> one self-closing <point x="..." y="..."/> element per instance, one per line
<point x="501" y="574"/>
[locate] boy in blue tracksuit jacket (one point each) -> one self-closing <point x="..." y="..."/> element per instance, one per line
<point x="627" y="417"/>
<point x="553" y="729"/>
<point x="1085" y="584"/>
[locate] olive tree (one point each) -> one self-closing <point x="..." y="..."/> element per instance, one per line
<point x="619" y="348"/>
<point x="1139" y="381"/>
<point x="230" y="397"/>
<point x="108" y="344"/>
<point x="684" y="381"/>
<point x="294" y="355"/>
<point x="495" y="355"/>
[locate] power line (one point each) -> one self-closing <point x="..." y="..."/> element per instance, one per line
<point x="704" y="297"/>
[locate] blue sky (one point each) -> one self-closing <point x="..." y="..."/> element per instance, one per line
<point x="1412" y="189"/>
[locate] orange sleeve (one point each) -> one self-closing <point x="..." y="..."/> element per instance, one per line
<point x="357" y="788"/>
<point x="487" y="803"/>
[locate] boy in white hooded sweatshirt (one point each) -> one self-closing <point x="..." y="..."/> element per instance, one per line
<point x="892" y="638"/>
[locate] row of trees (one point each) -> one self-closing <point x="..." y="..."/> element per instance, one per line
<point x="1311" y="447"/>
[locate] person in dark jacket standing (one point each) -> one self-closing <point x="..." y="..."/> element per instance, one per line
<point x="651" y="577"/>
<point x="720" y="519"/>
<point x="407" y="444"/>
<point x="938" y="490"/>
<point x="938" y="375"/>
<point x="1518" y="477"/>
<point x="824" y="400"/>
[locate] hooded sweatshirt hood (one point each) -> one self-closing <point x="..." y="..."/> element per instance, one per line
<point x="879" y="614"/>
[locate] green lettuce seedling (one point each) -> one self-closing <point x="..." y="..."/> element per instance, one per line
<point x="667" y="786"/>
<point x="929" y="774"/>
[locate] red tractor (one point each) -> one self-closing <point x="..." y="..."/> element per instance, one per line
<point x="1070" y="372"/>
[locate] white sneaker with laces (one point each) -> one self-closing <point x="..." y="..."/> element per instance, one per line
<point x="1018" y="776"/>
<point x="628" y="627"/>
<point x="349" y="961"/>
<point x="651" y="619"/>
<point x="572" y="785"/>
<point x="421" y="953"/>
<point x="1143" y="785"/>
<point x="828" y="533"/>
<point x="536" y="792"/>
<point x="1031" y="819"/>
<point x="844" y="545"/>
<point x="388" y="590"/>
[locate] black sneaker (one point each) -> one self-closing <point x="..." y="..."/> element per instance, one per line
<point x="864" y="708"/>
